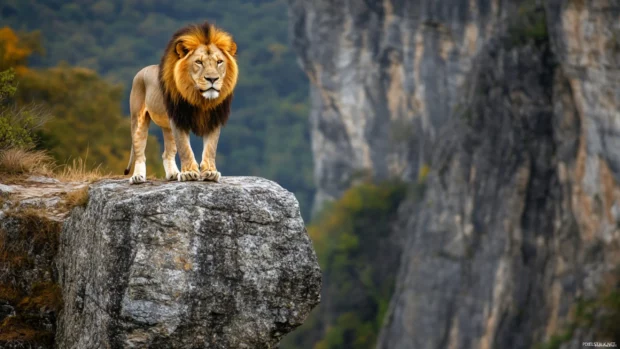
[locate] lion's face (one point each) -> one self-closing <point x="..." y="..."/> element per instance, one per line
<point x="207" y="68"/>
<point x="199" y="66"/>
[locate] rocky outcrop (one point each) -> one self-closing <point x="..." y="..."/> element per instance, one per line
<point x="180" y="265"/>
<point x="168" y="265"/>
<point x="514" y="105"/>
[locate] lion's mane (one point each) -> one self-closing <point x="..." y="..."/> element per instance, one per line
<point x="185" y="105"/>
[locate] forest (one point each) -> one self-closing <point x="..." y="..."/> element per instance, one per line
<point x="100" y="45"/>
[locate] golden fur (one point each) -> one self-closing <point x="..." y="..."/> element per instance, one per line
<point x="190" y="90"/>
<point x="190" y="38"/>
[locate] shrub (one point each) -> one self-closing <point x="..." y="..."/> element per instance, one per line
<point x="17" y="124"/>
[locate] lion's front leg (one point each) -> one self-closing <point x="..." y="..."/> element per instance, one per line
<point x="208" y="171"/>
<point x="189" y="166"/>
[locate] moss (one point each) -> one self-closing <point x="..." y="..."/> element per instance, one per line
<point x="557" y="340"/>
<point x="610" y="317"/>
<point x="603" y="313"/>
<point x="468" y="114"/>
<point x="529" y="26"/>
<point x="423" y="173"/>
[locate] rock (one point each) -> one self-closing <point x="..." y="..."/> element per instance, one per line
<point x="514" y="106"/>
<point x="8" y="189"/>
<point x="185" y="265"/>
<point x="46" y="195"/>
<point x="42" y="179"/>
<point x="518" y="229"/>
<point x="30" y="223"/>
<point x="386" y="75"/>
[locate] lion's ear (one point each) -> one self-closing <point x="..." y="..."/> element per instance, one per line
<point x="233" y="49"/>
<point x="181" y="49"/>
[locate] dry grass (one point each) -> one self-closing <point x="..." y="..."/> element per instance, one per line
<point x="78" y="171"/>
<point x="17" y="161"/>
<point x="77" y="197"/>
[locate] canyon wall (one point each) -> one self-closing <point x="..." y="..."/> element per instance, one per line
<point x="514" y="108"/>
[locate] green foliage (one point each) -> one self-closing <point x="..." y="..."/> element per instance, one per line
<point x="86" y="119"/>
<point x="352" y="240"/>
<point x="530" y="25"/>
<point x="267" y="134"/>
<point x="7" y="85"/>
<point x="603" y="311"/>
<point x="17" y="124"/>
<point x="556" y="341"/>
<point x="88" y="122"/>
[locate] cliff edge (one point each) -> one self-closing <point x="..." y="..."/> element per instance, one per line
<point x="169" y="264"/>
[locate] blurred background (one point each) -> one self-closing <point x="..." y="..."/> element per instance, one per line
<point x="456" y="161"/>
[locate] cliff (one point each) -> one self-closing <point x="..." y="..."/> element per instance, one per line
<point x="513" y="105"/>
<point x="385" y="76"/>
<point x="160" y="265"/>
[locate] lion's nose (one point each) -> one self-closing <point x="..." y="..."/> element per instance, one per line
<point x="212" y="80"/>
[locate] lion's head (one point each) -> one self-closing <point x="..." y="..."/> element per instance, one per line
<point x="199" y="65"/>
<point x="198" y="73"/>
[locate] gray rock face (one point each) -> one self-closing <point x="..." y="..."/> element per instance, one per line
<point x="31" y="214"/>
<point x="518" y="119"/>
<point x="185" y="265"/>
<point x="520" y="223"/>
<point x="386" y="75"/>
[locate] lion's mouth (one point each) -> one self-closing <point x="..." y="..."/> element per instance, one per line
<point x="210" y="93"/>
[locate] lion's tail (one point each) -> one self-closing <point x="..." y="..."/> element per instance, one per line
<point x="130" y="162"/>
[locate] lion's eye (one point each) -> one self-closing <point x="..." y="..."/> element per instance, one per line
<point x="220" y="62"/>
<point x="199" y="62"/>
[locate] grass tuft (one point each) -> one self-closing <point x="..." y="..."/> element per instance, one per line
<point x="17" y="162"/>
<point x="78" y="170"/>
<point x="25" y="161"/>
<point x="77" y="197"/>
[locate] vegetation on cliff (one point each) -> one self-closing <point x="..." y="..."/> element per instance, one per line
<point x="69" y="112"/>
<point x="355" y="244"/>
<point x="28" y="293"/>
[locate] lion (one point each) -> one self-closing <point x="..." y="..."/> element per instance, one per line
<point x="190" y="90"/>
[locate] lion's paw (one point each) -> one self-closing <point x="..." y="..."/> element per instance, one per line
<point x="173" y="176"/>
<point x="210" y="176"/>
<point x="137" y="179"/>
<point x="188" y="176"/>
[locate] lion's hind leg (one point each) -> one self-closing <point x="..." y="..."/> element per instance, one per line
<point x="170" y="151"/>
<point x="140" y="129"/>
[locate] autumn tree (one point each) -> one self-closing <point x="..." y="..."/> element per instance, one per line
<point x="85" y="110"/>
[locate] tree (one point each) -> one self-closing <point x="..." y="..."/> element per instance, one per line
<point x="85" y="111"/>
